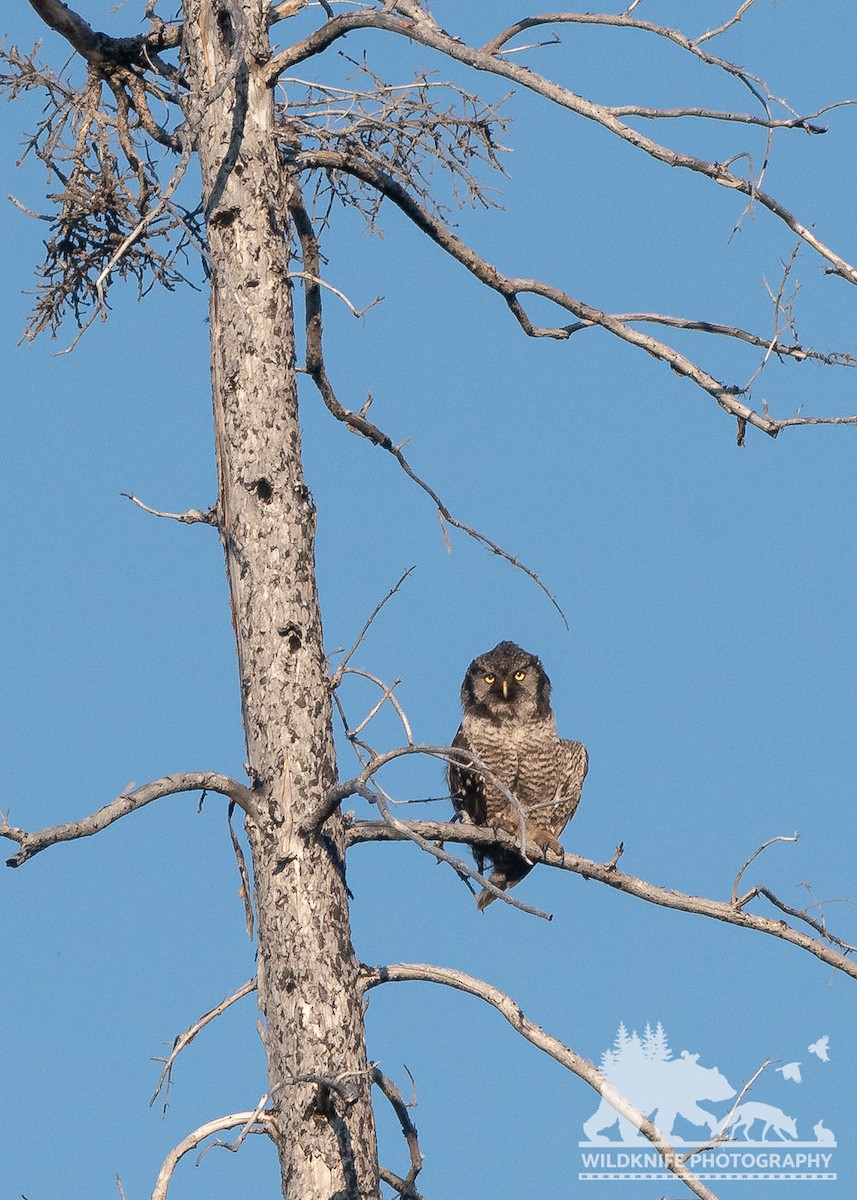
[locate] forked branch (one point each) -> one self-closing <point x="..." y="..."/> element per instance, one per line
<point x="831" y="950"/>
<point x="165" y="1079"/>
<point x="511" y="289"/>
<point x="357" y="422"/>
<point x="261" y="1124"/>
<point x="427" y="33"/>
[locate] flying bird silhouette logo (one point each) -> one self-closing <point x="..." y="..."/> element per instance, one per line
<point x="791" y="1071"/>
<point x="820" y="1048"/>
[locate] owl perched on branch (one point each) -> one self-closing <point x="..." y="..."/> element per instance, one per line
<point x="509" y="726"/>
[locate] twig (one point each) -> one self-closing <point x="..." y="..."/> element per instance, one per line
<point x="460" y="866"/>
<point x="356" y="312"/>
<point x="784" y="309"/>
<point x="193" y="516"/>
<point x="386" y="694"/>
<point x="782" y="838"/>
<point x="169" y="785"/>
<point x="406" y="1190"/>
<point x="351" y="734"/>
<point x="399" y="972"/>
<point x="799" y="914"/>
<point x="409" y="1130"/>
<point x="713" y="33"/>
<point x="235" y="1145"/>
<point x="199" y="1135"/>
<point x="723" y="1134"/>
<point x="245" y="891"/>
<point x="336" y="677"/>
<point x="145" y="221"/>
<point x="185" y="1039"/>
<point x="358" y="785"/>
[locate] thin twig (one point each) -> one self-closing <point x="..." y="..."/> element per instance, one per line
<point x="781" y="838"/>
<point x="356" y="312"/>
<point x="409" y="1129"/>
<point x="336" y="677"/>
<point x="247" y="1128"/>
<point x="245" y="890"/>
<point x="185" y="1039"/>
<point x="387" y="695"/>
<point x="193" y="516"/>
<point x="192" y="1140"/>
<point x="723" y="1134"/>
<point x="460" y="866"/>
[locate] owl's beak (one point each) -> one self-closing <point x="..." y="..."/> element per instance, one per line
<point x="505" y="689"/>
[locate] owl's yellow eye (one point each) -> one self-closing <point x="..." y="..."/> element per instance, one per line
<point x="490" y="678"/>
<point x="519" y="675"/>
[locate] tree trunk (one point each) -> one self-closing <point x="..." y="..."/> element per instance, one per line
<point x="307" y="968"/>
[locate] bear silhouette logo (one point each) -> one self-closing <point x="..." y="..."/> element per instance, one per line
<point x="662" y="1087"/>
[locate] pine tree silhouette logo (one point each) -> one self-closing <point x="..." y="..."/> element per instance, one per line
<point x="661" y="1086"/>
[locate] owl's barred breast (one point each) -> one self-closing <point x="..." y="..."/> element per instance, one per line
<point x="522" y="755"/>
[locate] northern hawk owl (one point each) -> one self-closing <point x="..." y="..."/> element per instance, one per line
<point x="508" y="724"/>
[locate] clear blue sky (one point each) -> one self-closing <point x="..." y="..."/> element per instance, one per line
<point x="710" y="664"/>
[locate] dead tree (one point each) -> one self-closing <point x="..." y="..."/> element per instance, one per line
<point x="117" y="146"/>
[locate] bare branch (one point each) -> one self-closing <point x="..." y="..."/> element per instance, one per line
<point x="247" y="1128"/>
<point x="406" y="1190"/>
<point x="192" y="1140"/>
<point x="358" y="785"/>
<point x="409" y="1129"/>
<point x="166" y="1077"/>
<point x="782" y="349"/>
<point x="355" y="312"/>
<point x="458" y="864"/>
<point x="579" y="1066"/>
<point x="388" y="695"/>
<point x="510" y="288"/>
<point x="428" y="34"/>
<point x="99" y="48"/>
<point x="723" y="1134"/>
<point x="245" y="892"/>
<point x="782" y="838"/>
<point x="169" y="785"/>
<point x="193" y="516"/>
<point x="357" y="422"/>
<point x="336" y="677"/>
<point x="733" y="20"/>
<point x="606" y="873"/>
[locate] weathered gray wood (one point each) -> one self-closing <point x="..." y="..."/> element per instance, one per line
<point x="308" y="990"/>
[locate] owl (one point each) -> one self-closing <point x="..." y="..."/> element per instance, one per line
<point x="508" y="724"/>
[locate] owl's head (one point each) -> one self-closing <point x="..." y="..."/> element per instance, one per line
<point x="506" y="683"/>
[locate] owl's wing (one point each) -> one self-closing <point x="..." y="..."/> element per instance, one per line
<point x="572" y="767"/>
<point x="466" y="787"/>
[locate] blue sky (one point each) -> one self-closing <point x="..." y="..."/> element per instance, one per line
<point x="710" y="663"/>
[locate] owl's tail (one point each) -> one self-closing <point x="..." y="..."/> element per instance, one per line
<point x="509" y="869"/>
